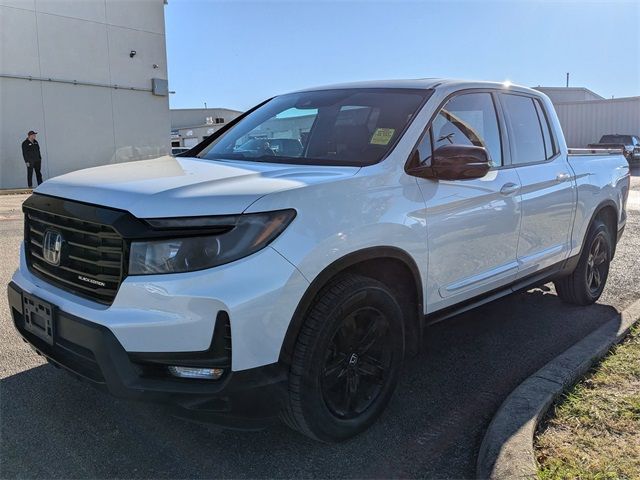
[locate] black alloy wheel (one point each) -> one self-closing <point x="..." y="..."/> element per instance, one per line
<point x="585" y="284"/>
<point x="597" y="264"/>
<point x="347" y="359"/>
<point x="357" y="363"/>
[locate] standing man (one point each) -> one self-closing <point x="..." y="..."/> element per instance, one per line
<point x="32" y="157"/>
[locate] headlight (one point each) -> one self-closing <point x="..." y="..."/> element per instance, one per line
<point x="239" y="236"/>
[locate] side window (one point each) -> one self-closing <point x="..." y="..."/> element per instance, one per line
<point x="549" y="145"/>
<point x="525" y="132"/>
<point x="466" y="119"/>
<point x="425" y="150"/>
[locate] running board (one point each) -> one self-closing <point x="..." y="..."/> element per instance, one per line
<point x="531" y="281"/>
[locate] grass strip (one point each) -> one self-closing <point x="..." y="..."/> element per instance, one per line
<point x="593" y="432"/>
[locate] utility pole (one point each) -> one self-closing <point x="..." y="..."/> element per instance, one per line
<point x="567" y="79"/>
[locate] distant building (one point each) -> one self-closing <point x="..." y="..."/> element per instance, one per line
<point x="190" y="126"/>
<point x="569" y="94"/>
<point x="90" y="76"/>
<point x="585" y="116"/>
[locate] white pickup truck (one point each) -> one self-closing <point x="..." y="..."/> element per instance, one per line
<point x="287" y="265"/>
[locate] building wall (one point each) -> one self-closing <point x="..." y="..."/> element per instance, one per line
<point x="110" y="115"/>
<point x="285" y="127"/>
<point x="585" y="122"/>
<point x="569" y="94"/>
<point x="189" y="125"/>
<point x="191" y="136"/>
<point x="189" y="117"/>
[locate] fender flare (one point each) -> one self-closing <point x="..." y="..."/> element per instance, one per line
<point x="614" y="235"/>
<point x="573" y="261"/>
<point x="329" y="272"/>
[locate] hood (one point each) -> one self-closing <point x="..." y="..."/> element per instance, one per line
<point x="178" y="187"/>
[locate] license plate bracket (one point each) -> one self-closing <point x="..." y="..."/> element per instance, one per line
<point x="39" y="317"/>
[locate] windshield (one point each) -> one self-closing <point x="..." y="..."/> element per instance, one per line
<point x="626" y="139"/>
<point x="327" y="127"/>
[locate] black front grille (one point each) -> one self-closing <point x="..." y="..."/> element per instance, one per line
<point x="91" y="260"/>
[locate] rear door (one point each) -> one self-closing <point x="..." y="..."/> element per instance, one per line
<point x="473" y="224"/>
<point x="548" y="193"/>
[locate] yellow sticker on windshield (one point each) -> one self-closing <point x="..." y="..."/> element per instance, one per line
<point x="382" y="136"/>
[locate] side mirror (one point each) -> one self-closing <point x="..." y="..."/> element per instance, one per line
<point x="454" y="162"/>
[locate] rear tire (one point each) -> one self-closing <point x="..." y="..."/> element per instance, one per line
<point x="586" y="283"/>
<point x="346" y="361"/>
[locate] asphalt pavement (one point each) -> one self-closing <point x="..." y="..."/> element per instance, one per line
<point x="56" y="427"/>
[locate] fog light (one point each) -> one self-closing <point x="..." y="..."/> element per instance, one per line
<point x="196" y="372"/>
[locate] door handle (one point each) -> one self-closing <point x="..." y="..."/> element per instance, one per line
<point x="509" y="188"/>
<point x="562" y="177"/>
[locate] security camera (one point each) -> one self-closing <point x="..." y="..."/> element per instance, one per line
<point x="132" y="53"/>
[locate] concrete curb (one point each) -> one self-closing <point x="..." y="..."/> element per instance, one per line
<point x="507" y="448"/>
<point x="16" y="191"/>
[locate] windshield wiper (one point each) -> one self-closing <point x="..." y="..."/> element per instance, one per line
<point x="222" y="156"/>
<point x="255" y="158"/>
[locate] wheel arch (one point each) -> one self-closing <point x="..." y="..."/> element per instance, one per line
<point x="607" y="211"/>
<point x="374" y="262"/>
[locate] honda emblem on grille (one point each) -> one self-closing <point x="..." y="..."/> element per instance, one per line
<point x="52" y="247"/>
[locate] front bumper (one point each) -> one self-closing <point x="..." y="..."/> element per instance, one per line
<point x="177" y="312"/>
<point x="91" y="352"/>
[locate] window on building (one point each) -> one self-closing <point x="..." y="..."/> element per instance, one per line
<point x="219" y="120"/>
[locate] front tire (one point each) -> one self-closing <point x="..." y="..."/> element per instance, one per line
<point x="346" y="361"/>
<point x="586" y="283"/>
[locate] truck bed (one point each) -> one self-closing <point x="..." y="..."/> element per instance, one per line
<point x="600" y="175"/>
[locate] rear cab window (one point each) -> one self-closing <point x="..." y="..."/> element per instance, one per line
<point x="526" y="133"/>
<point x="550" y="146"/>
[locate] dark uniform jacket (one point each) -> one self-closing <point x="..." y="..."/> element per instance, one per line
<point x="31" y="151"/>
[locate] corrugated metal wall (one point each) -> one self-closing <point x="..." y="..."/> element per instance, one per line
<point x="586" y="122"/>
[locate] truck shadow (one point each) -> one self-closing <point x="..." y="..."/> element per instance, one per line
<point x="53" y="426"/>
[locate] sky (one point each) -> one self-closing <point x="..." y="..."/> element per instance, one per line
<point x="235" y="54"/>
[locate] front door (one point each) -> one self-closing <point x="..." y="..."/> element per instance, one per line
<point x="472" y="225"/>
